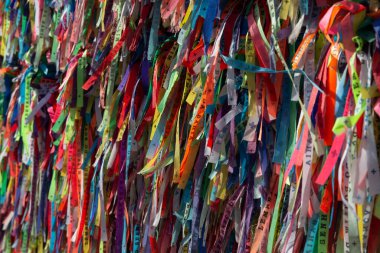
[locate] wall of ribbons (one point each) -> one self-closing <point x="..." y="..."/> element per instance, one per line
<point x="189" y="126"/>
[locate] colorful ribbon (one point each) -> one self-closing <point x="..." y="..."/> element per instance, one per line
<point x="189" y="126"/>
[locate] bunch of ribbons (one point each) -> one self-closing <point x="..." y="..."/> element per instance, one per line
<point x="189" y="126"/>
